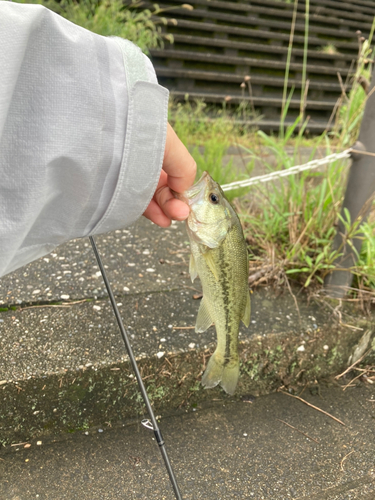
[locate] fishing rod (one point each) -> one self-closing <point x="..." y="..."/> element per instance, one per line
<point x="153" y="425"/>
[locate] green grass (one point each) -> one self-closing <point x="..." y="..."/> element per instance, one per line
<point x="197" y="122"/>
<point x="212" y="159"/>
<point x="352" y="104"/>
<point x="291" y="223"/>
<point x="113" y="18"/>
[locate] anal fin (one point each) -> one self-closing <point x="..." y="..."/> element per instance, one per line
<point x="204" y="319"/>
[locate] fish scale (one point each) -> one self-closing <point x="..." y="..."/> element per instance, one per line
<point x="219" y="258"/>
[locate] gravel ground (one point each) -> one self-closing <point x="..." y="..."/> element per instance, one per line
<point x="141" y="258"/>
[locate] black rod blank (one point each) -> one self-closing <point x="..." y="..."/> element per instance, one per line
<point x="125" y="338"/>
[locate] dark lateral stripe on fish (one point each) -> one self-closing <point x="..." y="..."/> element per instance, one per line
<point x="225" y="288"/>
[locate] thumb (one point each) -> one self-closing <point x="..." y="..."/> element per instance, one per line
<point x="178" y="163"/>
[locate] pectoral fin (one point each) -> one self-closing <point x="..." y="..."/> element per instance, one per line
<point x="192" y="268"/>
<point x="246" y="314"/>
<point x="204" y="319"/>
<point x="211" y="264"/>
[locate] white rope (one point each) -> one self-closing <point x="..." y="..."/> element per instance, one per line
<point x="289" y="171"/>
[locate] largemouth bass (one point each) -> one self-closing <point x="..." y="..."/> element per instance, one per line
<point x="219" y="258"/>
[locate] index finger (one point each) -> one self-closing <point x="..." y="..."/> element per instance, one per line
<point x="178" y="163"/>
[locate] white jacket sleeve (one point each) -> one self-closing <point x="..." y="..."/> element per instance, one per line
<point x="82" y="133"/>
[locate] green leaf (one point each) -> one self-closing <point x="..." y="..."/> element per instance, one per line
<point x="309" y="261"/>
<point x="319" y="258"/>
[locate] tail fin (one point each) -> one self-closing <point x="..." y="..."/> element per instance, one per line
<point x="230" y="376"/>
<point x="220" y="372"/>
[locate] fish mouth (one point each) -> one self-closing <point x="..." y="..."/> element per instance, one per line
<point x="196" y="191"/>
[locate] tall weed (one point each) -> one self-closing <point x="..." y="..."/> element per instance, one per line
<point x="291" y="223"/>
<point x="352" y="104"/>
<point x="208" y="132"/>
<point x="212" y="160"/>
<point x="365" y="268"/>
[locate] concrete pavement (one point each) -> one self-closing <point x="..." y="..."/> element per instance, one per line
<point x="272" y="447"/>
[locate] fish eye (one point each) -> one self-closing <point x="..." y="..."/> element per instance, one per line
<point x="214" y="198"/>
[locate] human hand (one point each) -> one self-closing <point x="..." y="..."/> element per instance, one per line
<point x="178" y="174"/>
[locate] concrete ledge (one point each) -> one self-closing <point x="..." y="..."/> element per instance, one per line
<point x="64" y="366"/>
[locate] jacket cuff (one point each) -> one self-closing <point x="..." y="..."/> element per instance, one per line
<point x="143" y="153"/>
<point x="142" y="159"/>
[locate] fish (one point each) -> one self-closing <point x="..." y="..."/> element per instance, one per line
<point x="219" y="257"/>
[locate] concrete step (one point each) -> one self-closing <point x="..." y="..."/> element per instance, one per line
<point x="254" y="49"/>
<point x="203" y="11"/>
<point x="64" y="368"/>
<point x="240" y="38"/>
<point x="272" y="10"/>
<point x="276" y="84"/>
<point x="224" y="60"/>
<point x="365" y="6"/>
<point x="255" y="34"/>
